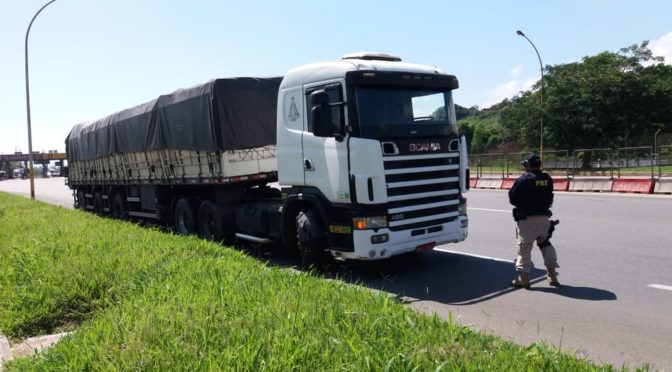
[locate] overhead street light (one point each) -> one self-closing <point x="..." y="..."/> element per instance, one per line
<point x="541" y="97"/>
<point x="30" y="134"/>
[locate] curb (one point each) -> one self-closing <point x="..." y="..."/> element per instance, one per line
<point x="5" y="351"/>
<point x="28" y="347"/>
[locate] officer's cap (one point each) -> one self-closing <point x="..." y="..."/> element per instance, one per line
<point x="532" y="160"/>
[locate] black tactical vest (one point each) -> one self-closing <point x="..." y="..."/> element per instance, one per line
<point x="532" y="193"/>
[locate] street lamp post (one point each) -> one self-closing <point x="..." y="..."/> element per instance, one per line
<point x="541" y="97"/>
<point x="30" y="134"/>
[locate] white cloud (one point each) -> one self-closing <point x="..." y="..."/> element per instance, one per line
<point x="517" y="71"/>
<point x="507" y="90"/>
<point x="510" y="88"/>
<point x="662" y="47"/>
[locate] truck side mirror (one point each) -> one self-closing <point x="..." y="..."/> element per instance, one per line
<point x="322" y="117"/>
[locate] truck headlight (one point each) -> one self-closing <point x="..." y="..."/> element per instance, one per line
<point x="363" y="223"/>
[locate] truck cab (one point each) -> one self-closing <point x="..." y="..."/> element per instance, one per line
<point x="369" y="157"/>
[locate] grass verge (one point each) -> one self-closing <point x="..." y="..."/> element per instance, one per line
<point x="144" y="299"/>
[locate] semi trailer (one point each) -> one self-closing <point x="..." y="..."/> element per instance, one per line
<point x="358" y="158"/>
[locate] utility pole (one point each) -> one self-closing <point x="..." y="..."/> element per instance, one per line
<point x="30" y="133"/>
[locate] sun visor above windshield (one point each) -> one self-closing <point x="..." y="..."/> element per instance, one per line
<point x="421" y="80"/>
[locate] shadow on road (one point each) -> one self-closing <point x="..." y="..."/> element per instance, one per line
<point x="448" y="278"/>
<point x="580" y="293"/>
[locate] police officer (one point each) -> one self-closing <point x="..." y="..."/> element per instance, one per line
<point x="532" y="197"/>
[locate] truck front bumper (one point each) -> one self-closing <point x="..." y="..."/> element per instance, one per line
<point x="403" y="241"/>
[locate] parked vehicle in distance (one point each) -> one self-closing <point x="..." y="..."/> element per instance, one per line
<point x="358" y="158"/>
<point x="55" y="171"/>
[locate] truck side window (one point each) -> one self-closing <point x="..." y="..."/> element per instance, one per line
<point x="335" y="92"/>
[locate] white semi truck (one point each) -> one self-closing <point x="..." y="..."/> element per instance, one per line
<point x="358" y="158"/>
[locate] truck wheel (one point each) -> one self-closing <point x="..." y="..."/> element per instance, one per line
<point x="311" y="239"/>
<point x="119" y="210"/>
<point x="80" y="203"/>
<point x="98" y="205"/>
<point x="210" y="221"/>
<point x="184" y="217"/>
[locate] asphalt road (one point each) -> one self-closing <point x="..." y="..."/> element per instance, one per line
<point x="616" y="269"/>
<point x="615" y="302"/>
<point x="49" y="190"/>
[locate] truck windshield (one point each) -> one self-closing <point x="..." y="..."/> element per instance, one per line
<point x="404" y="113"/>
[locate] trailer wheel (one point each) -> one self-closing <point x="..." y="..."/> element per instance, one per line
<point x="98" y="205"/>
<point x="311" y="239"/>
<point x="210" y="221"/>
<point x="184" y="217"/>
<point x="80" y="203"/>
<point x="119" y="210"/>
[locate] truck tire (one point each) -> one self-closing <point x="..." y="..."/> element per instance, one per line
<point x="98" y="205"/>
<point x="210" y="221"/>
<point x="119" y="209"/>
<point x="184" y="216"/>
<point x="80" y="203"/>
<point x="311" y="239"/>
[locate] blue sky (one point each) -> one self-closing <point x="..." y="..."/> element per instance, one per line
<point x="91" y="58"/>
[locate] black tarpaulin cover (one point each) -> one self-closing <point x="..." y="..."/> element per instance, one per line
<point x="220" y="115"/>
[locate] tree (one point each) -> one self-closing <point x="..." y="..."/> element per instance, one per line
<point x="596" y="102"/>
<point x="482" y="129"/>
<point x="462" y="112"/>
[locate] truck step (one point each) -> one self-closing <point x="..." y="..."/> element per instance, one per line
<point x="252" y="238"/>
<point x="143" y="214"/>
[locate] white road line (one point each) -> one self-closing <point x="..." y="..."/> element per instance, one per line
<point x="473" y="255"/>
<point x="489" y="210"/>
<point x="660" y="286"/>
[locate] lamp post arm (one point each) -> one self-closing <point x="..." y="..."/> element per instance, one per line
<point x="541" y="95"/>
<point x="30" y="134"/>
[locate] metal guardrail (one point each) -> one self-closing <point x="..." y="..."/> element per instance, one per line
<point x="595" y="162"/>
<point x="663" y="158"/>
<point x="642" y="161"/>
<point x="636" y="157"/>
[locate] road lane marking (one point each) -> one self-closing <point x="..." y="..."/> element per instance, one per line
<point x="660" y="286"/>
<point x="472" y="255"/>
<point x="489" y="210"/>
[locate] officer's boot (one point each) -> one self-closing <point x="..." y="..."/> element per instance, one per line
<point x="521" y="281"/>
<point x="552" y="276"/>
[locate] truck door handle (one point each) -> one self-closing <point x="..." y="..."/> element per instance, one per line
<point x="308" y="165"/>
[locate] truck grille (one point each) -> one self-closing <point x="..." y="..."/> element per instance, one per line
<point x="422" y="190"/>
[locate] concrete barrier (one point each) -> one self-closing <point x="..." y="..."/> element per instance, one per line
<point x="663" y="186"/>
<point x="558" y="184"/>
<point x="591" y="184"/>
<point x="507" y="183"/>
<point x="489" y="183"/>
<point x="561" y="184"/>
<point x="633" y="185"/>
<point x="472" y="182"/>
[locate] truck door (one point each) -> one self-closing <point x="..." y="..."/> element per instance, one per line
<point x="325" y="159"/>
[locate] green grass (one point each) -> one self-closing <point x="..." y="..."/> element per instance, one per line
<point x="139" y="298"/>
